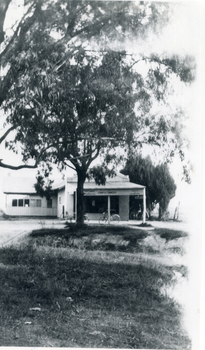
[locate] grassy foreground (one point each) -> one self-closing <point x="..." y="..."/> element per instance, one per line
<point x="52" y="296"/>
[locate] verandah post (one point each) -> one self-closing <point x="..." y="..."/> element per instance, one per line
<point x="108" y="209"/>
<point x="75" y="205"/>
<point x="144" y="205"/>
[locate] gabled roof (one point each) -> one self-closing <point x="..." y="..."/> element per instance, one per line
<point x="58" y="185"/>
<point x="25" y="185"/>
<point x="19" y="185"/>
<point x="118" y="178"/>
<point x="118" y="182"/>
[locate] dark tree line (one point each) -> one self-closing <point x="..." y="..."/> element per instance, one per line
<point x="160" y="185"/>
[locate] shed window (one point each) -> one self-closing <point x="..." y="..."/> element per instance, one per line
<point x="26" y="203"/>
<point x="20" y="202"/>
<point x="14" y="202"/>
<point x="35" y="202"/>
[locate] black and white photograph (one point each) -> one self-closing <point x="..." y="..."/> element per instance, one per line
<point x="101" y="174"/>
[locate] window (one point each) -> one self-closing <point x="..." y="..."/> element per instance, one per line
<point x="59" y="200"/>
<point x="14" y="202"/>
<point x="38" y="202"/>
<point x="98" y="204"/>
<point x="35" y="203"/>
<point x="20" y="203"/>
<point x="26" y="203"/>
<point x="49" y="203"/>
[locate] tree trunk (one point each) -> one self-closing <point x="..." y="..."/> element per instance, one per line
<point x="80" y="197"/>
<point x="160" y="212"/>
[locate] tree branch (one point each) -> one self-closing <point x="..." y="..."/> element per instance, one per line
<point x="18" y="167"/>
<point x="4" y="4"/>
<point x="6" y="133"/>
<point x="98" y="148"/>
<point x="71" y="167"/>
<point x="26" y="166"/>
<point x="23" y="27"/>
<point x="15" y="33"/>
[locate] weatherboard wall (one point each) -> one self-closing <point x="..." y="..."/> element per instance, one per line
<point x="27" y="209"/>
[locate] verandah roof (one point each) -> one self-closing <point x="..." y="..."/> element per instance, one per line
<point x="112" y="189"/>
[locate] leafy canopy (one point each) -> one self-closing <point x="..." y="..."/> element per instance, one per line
<point x="70" y="77"/>
<point x="160" y="185"/>
<point x="73" y="89"/>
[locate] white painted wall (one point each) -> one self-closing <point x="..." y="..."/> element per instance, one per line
<point x="30" y="211"/>
<point x="61" y="202"/>
<point x="69" y="204"/>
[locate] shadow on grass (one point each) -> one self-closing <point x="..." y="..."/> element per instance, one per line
<point x="108" y="238"/>
<point x="169" y="234"/>
<point x="103" y="237"/>
<point x="86" y="304"/>
<point x="87" y="230"/>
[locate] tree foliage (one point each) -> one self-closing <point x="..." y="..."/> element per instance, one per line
<point x="42" y="188"/>
<point x="160" y="185"/>
<point x="4" y="4"/>
<point x="72" y="90"/>
<point x="164" y="187"/>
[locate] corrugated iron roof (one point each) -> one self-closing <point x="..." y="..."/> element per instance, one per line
<point x="118" y="178"/>
<point x="110" y="185"/>
<point x="25" y="185"/>
<point x="19" y="185"/>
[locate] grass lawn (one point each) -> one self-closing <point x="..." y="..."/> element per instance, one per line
<point x="87" y="287"/>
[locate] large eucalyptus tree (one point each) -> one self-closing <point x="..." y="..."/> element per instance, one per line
<point x="74" y="88"/>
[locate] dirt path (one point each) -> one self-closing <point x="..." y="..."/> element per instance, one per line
<point x="13" y="230"/>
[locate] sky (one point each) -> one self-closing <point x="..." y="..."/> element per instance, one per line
<point x="184" y="35"/>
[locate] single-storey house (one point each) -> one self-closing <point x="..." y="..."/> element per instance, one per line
<point x="21" y="198"/>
